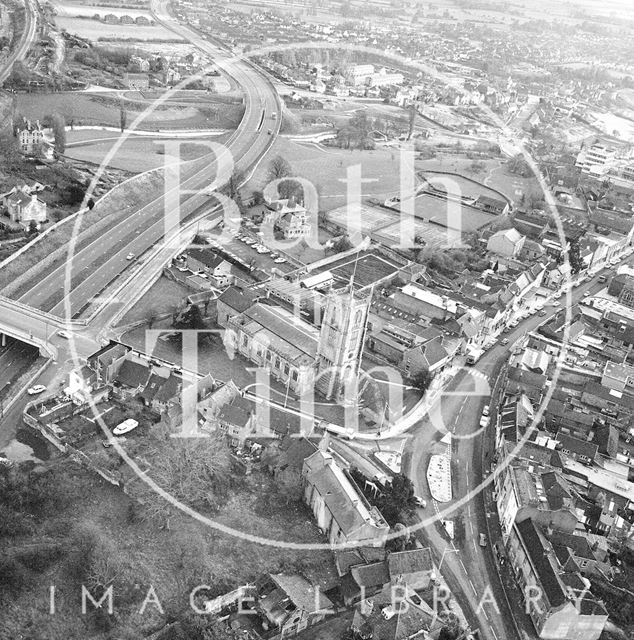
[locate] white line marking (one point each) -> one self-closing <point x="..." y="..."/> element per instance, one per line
<point x="474" y="589"/>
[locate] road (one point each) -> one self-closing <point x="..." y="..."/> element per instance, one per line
<point x="470" y="569"/>
<point x="25" y="42"/>
<point x="94" y="266"/>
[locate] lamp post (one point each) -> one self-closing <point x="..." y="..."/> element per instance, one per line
<point x="446" y="550"/>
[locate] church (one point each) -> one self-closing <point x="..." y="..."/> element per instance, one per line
<point x="295" y="352"/>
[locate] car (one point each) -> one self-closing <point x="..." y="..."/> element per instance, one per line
<point x="485" y="411"/>
<point x="556" y="303"/>
<point x="558" y="295"/>
<point x="280" y="260"/>
<point x="420" y="502"/>
<point x="130" y="256"/>
<point x="250" y="241"/>
<point x="38" y="388"/>
<point x="484" y="422"/>
<point x="542" y="313"/>
<point x="602" y="279"/>
<point x="513" y="324"/>
<point x="504" y="342"/>
<point x="64" y="334"/>
<point x="270" y="132"/>
<point x="125" y="427"/>
<point x="483" y="540"/>
<point x="506" y="330"/>
<point x="274" y="255"/>
<point x="263" y="250"/>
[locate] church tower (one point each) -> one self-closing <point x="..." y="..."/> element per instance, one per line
<point x="341" y="339"/>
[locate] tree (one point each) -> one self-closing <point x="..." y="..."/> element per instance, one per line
<point x="290" y="189"/>
<point x="194" y="471"/>
<point x="123" y="117"/>
<point x="59" y="132"/>
<point x="574" y="257"/>
<point x="422" y="380"/>
<point x="32" y="228"/>
<point x="342" y="244"/>
<point x="279" y="168"/>
<point x="459" y="530"/>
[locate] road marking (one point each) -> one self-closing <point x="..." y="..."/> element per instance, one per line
<point x="462" y="564"/>
<point x="474" y="589"/>
<point x="486" y="615"/>
<point x="494" y="634"/>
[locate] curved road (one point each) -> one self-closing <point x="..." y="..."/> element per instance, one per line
<point x="94" y="266"/>
<point x="26" y="40"/>
<point x="470" y="569"/>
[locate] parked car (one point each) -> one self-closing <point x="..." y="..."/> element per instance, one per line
<point x="484" y="422"/>
<point x="542" y="313"/>
<point x="483" y="540"/>
<point x="64" y="334"/>
<point x="130" y="256"/>
<point x="420" y="502"/>
<point x="485" y="411"/>
<point x="38" y="388"/>
<point x="280" y="260"/>
<point x="504" y="342"/>
<point x="603" y="279"/>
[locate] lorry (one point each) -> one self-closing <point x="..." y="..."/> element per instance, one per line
<point x="474" y="355"/>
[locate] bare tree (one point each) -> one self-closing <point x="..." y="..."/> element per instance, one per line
<point x="192" y="470"/>
<point x="279" y="168"/>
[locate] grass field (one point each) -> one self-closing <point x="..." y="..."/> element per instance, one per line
<point x="326" y="168"/>
<point x="95" y="109"/>
<point x="135" y="154"/>
<point x="95" y="30"/>
<point x="163" y="297"/>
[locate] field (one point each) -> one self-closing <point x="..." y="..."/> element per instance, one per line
<point x="134" y="154"/>
<point x="95" y="30"/>
<point x="326" y="168"/>
<point x="97" y="109"/>
<point x="163" y="297"/>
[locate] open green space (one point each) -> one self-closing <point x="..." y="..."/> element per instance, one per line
<point x="96" y="109"/>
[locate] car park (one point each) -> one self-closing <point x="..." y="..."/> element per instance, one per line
<point x="38" y="388"/>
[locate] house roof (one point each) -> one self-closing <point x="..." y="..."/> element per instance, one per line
<point x="153" y="385"/>
<point x="297" y="451"/>
<point x="375" y="574"/>
<point x="301" y="592"/>
<point x="233" y="415"/>
<point x="540" y="556"/>
<point x="238" y="299"/>
<point x="133" y="374"/>
<point x="414" y="561"/>
<point x="347" y="558"/>
<point x="346" y="504"/>
<point x="577" y="446"/>
<point x="206" y="257"/>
